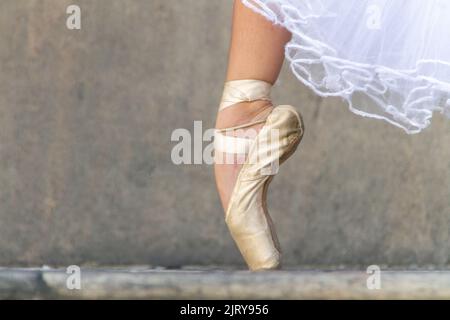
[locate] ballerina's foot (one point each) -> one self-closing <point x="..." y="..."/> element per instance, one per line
<point x="250" y="143"/>
<point x="226" y="172"/>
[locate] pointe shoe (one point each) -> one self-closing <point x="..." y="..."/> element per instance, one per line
<point x="247" y="216"/>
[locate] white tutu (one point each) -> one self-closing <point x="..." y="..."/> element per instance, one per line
<point x="390" y="59"/>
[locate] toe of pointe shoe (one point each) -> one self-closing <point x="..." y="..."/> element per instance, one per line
<point x="269" y="265"/>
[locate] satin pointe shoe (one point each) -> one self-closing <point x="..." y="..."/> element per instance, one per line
<point x="247" y="216"/>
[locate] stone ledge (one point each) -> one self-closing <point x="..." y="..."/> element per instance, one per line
<point x="219" y="284"/>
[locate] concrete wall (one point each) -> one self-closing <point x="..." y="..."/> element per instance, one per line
<point x="85" y="172"/>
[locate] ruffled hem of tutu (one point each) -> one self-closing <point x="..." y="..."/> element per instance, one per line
<point x="373" y="91"/>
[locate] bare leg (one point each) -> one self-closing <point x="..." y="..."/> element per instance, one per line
<point x="256" y="52"/>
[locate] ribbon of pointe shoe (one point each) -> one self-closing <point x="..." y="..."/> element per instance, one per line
<point x="231" y="144"/>
<point x="237" y="91"/>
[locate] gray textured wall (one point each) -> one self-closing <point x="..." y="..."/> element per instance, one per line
<point x="85" y="172"/>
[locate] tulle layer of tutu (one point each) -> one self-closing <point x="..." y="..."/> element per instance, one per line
<point x="390" y="59"/>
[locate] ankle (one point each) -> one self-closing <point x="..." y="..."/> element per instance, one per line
<point x="242" y="113"/>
